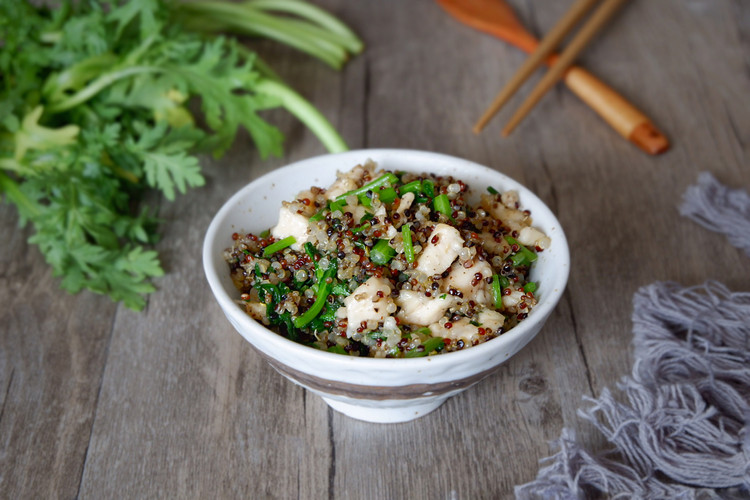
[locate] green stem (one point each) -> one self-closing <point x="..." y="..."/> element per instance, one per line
<point x="312" y="313"/>
<point x="255" y="22"/>
<point x="333" y="42"/>
<point x="13" y="165"/>
<point x="26" y="207"/>
<point x="411" y="187"/>
<point x="370" y="186"/>
<point x="442" y="204"/>
<point x="97" y="86"/>
<point x="313" y="23"/>
<point x="324" y="290"/>
<point x="382" y="253"/>
<point x="524" y="255"/>
<point x="497" y="292"/>
<point x="305" y="112"/>
<point x="408" y="244"/>
<point x="279" y="245"/>
<point x="314" y="14"/>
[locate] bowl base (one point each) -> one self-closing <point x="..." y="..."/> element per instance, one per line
<point x="386" y="414"/>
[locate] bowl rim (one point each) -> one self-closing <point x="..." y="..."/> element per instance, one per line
<point x="538" y="315"/>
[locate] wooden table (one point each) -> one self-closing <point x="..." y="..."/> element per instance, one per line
<point x="97" y="401"/>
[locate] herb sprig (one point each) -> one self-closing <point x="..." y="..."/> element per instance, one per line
<point x="97" y="103"/>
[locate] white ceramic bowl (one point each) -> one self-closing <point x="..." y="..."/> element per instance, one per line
<point x="378" y="390"/>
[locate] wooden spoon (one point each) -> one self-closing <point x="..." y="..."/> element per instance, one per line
<point x="496" y="18"/>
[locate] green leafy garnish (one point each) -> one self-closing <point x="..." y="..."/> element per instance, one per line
<point x="279" y="245"/>
<point x="411" y="187"/>
<point x="497" y="292"/>
<point x="428" y="188"/>
<point x="324" y="290"/>
<point x="98" y="103"/>
<point x="381" y="252"/>
<point x="431" y="344"/>
<point x="337" y="349"/>
<point x="408" y="245"/>
<point x="442" y="204"/>
<point x="524" y="256"/>
<point x="387" y="195"/>
<point x="388" y="179"/>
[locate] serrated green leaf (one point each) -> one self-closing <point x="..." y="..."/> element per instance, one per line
<point x="111" y="120"/>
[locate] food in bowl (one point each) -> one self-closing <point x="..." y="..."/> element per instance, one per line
<point x="390" y="264"/>
<point x="376" y="389"/>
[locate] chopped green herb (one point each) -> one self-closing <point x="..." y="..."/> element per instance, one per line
<point x="387" y="195"/>
<point x="331" y="206"/>
<point x="524" y="256"/>
<point x="337" y="205"/>
<point x="519" y="259"/>
<point x="365" y="198"/>
<point x="428" y="188"/>
<point x="319" y="215"/>
<point x="337" y="349"/>
<point x="492" y="190"/>
<point x="529" y="287"/>
<point x="504" y="282"/>
<point x="385" y="179"/>
<point x="431" y="344"/>
<point x="442" y="204"/>
<point x="310" y="250"/>
<point x="497" y="291"/>
<point x="381" y="252"/>
<point x="408" y="245"/>
<point x="411" y="187"/>
<point x="279" y="245"/>
<point x="324" y="290"/>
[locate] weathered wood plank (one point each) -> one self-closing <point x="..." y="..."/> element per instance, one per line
<point x="52" y="356"/>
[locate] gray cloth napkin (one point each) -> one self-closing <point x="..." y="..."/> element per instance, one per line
<point x="680" y="427"/>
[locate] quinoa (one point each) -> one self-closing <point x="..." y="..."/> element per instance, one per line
<point x="390" y="264"/>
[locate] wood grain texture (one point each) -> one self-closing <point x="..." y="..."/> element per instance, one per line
<point x="97" y="401"/>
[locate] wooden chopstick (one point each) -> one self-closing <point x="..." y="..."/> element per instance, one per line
<point x="597" y="21"/>
<point x="550" y="41"/>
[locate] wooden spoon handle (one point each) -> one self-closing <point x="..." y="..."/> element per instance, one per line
<point x="628" y="121"/>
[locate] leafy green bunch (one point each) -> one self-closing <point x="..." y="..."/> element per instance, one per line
<point x="95" y="108"/>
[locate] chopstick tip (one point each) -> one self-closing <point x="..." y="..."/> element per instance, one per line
<point x="647" y="137"/>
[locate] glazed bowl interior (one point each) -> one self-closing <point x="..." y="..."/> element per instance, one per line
<point x="255" y="208"/>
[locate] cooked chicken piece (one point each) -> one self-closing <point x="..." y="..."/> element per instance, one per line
<point x="487" y="319"/>
<point x="471" y="281"/>
<point x="418" y="309"/>
<point x="369" y="301"/>
<point x="291" y="224"/>
<point x="533" y="237"/>
<point x="511" y="217"/>
<point x="442" y="248"/>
